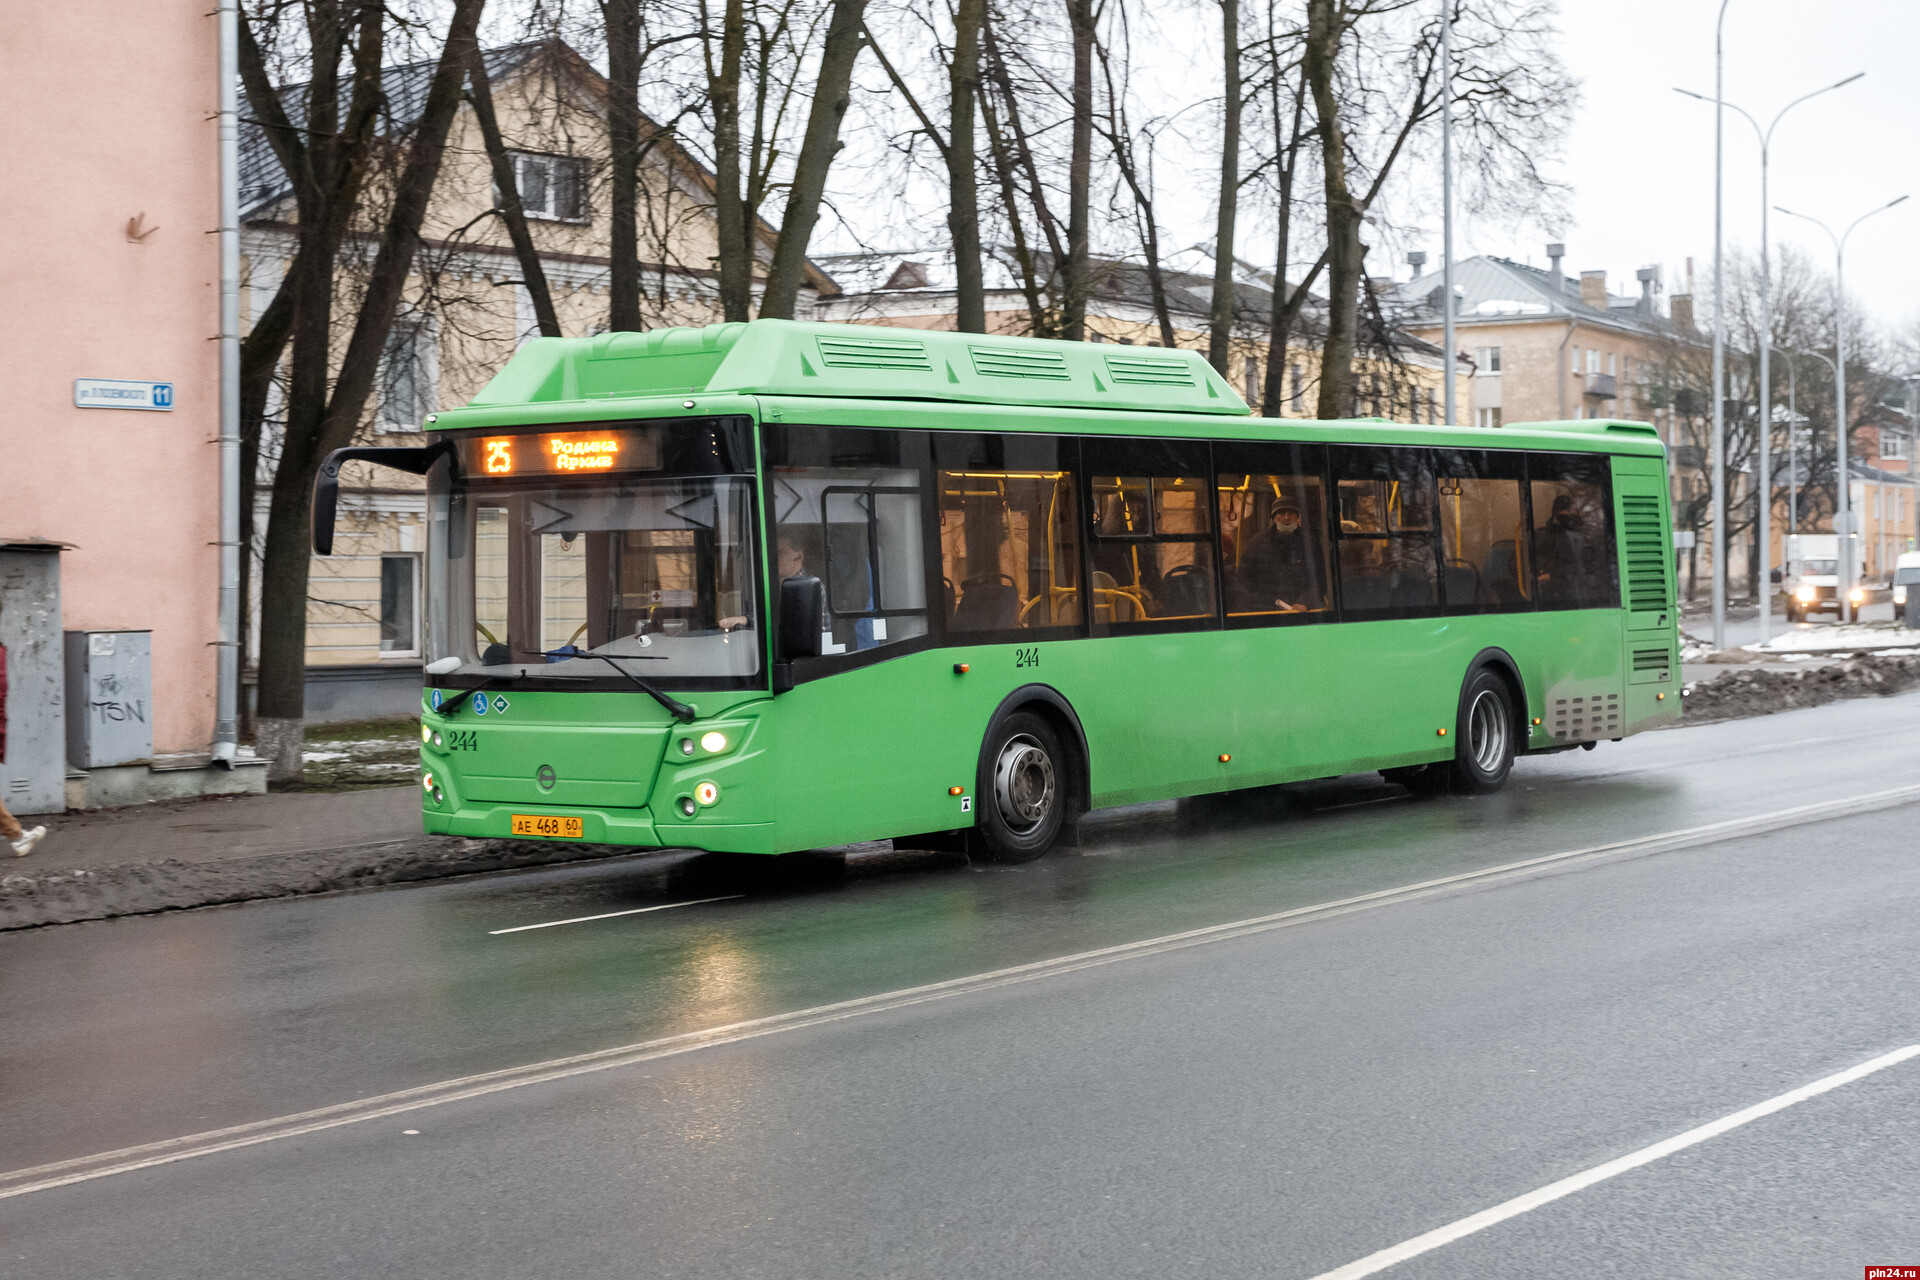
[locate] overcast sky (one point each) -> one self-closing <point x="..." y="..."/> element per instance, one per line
<point x="1641" y="156"/>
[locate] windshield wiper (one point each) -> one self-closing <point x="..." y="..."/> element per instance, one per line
<point x="455" y="706"/>
<point x="680" y="710"/>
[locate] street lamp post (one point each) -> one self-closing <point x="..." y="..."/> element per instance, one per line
<point x="1843" y="517"/>
<point x="1764" y="496"/>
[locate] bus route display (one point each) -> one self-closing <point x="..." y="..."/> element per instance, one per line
<point x="561" y="453"/>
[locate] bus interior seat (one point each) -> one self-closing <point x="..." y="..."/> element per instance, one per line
<point x="1184" y="592"/>
<point x="988" y="603"/>
<point x="1463" y="584"/>
<point x="1502" y="573"/>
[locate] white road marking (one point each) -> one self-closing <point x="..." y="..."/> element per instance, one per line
<point x="105" y="1164"/>
<point x="637" y="911"/>
<point x="1377" y="1262"/>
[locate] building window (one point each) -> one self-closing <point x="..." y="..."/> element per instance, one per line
<point x="1593" y="360"/>
<point x="1611" y="368"/>
<point x="399" y="606"/>
<point x="1433" y="406"/>
<point x="1486" y="418"/>
<point x="408" y="391"/>
<point x="1253" y="383"/>
<point x="1487" y="359"/>
<point x="1299" y="387"/>
<point x="551" y="186"/>
<point x="1575" y="366"/>
<point x="1893" y="446"/>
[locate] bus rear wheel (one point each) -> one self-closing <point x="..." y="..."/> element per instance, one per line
<point x="1023" y="790"/>
<point x="1487" y="736"/>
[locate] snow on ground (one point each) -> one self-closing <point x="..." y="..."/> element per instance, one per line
<point x="1855" y="637"/>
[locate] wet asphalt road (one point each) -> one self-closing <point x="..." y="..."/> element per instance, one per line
<point x="1276" y="1105"/>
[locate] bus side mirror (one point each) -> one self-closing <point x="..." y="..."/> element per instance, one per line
<point x="803" y="604"/>
<point x="326" y="485"/>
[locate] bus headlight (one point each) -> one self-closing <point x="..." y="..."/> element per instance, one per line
<point x="1805" y="595"/>
<point x="1857" y="595"/>
<point x="713" y="742"/>
<point x="426" y="734"/>
<point x="707" y="794"/>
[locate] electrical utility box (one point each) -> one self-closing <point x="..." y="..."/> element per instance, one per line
<point x="109" y="698"/>
<point x="33" y="777"/>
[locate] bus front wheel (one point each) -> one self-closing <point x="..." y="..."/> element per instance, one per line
<point x="1485" y="746"/>
<point x="1023" y="791"/>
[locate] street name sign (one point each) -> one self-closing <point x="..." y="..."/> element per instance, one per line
<point x="121" y="393"/>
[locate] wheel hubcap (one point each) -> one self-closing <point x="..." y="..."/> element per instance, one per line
<point x="1023" y="784"/>
<point x="1487" y="731"/>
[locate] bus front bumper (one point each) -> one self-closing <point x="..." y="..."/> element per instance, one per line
<point x="634" y="827"/>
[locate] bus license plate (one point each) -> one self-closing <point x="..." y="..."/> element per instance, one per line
<point x="528" y="824"/>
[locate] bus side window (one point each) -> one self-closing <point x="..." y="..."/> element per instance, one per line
<point x="1485" y="560"/>
<point x="1573" y="531"/>
<point x="1385" y="509"/>
<point x="1153" y="551"/>
<point x="847" y="509"/>
<point x="1009" y="533"/>
<point x="1273" y="531"/>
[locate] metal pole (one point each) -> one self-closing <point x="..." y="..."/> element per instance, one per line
<point x="1793" y="453"/>
<point x="1765" y="492"/>
<point x="1844" y="485"/>
<point x="226" y="725"/>
<point x="1719" y="352"/>
<point x="1448" y="362"/>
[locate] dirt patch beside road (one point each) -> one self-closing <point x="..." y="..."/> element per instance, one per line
<point x="1739" y="694"/>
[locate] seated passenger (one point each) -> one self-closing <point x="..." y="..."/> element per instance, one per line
<point x="1280" y="569"/>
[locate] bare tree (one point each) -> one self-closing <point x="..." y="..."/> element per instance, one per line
<point x="831" y="92"/>
<point x="506" y="185"/>
<point x="1220" y="317"/>
<point x="328" y="161"/>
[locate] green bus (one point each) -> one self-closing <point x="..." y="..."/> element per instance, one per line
<point x="766" y="587"/>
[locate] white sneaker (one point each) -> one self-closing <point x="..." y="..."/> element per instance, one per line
<point x="24" y="845"/>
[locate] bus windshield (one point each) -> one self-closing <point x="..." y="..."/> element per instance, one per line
<point x="654" y="573"/>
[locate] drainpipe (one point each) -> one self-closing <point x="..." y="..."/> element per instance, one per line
<point x="1560" y="368"/>
<point x="226" y="725"/>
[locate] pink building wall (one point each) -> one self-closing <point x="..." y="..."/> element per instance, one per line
<point x="108" y="115"/>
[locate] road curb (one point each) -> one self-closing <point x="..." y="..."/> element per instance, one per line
<point x="67" y="895"/>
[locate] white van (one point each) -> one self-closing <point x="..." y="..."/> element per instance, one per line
<point x="1812" y="579"/>
<point x="1906" y="572"/>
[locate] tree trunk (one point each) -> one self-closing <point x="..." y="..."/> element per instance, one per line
<point x="622" y="21"/>
<point x="1325" y="27"/>
<point x="260" y="354"/>
<point x="1076" y="283"/>
<point x="1220" y="317"/>
<point x="318" y="423"/>
<point x="831" y="94"/>
<point x="736" y="244"/>
<point x="533" y="276"/>
<point x="963" y="208"/>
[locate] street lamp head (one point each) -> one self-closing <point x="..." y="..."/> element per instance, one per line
<point x="1896" y="200"/>
<point x="1849" y="80"/>
<point x="1691" y="94"/>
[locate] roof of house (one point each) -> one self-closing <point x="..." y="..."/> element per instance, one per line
<point x="868" y="277"/>
<point x="1494" y="289"/>
<point x="403" y="87"/>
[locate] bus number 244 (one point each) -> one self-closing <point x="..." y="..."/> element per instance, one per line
<point x="1026" y="657"/>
